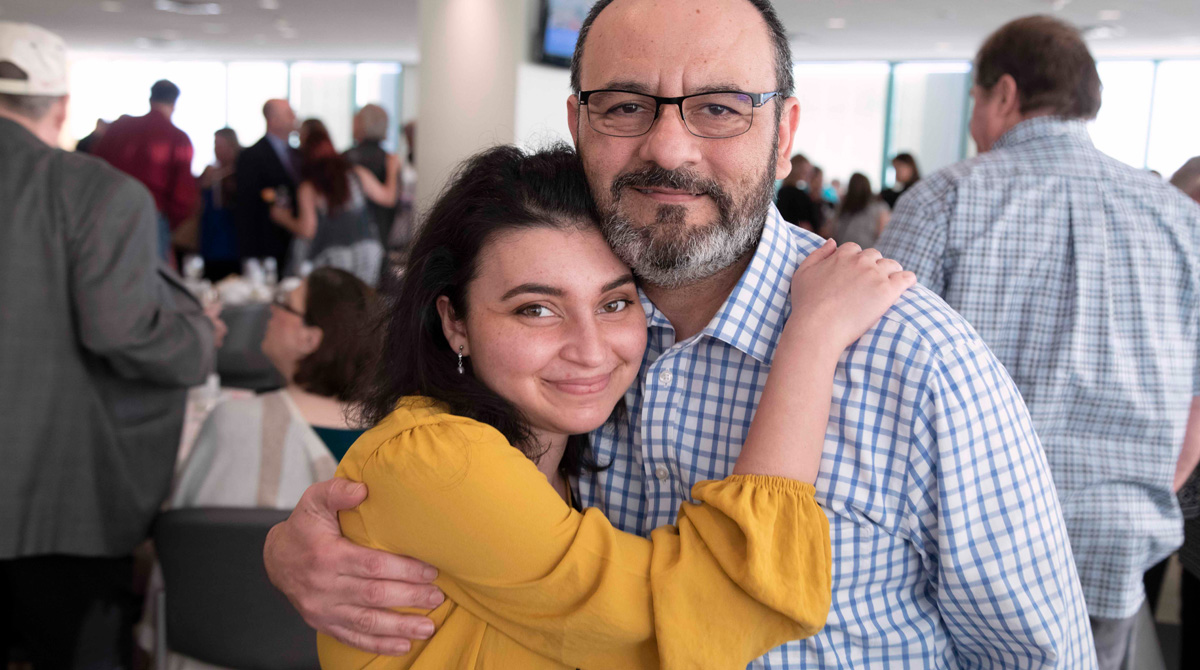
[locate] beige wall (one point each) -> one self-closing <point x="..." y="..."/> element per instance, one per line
<point x="470" y="53"/>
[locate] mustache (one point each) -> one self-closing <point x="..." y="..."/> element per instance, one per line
<point x="681" y="180"/>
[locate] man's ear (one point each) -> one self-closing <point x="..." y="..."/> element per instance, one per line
<point x="573" y="118"/>
<point x="454" y="328"/>
<point x="1009" y="100"/>
<point x="789" y="121"/>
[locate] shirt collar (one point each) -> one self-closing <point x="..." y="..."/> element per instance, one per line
<point x="279" y="145"/>
<point x="752" y="317"/>
<point x="1042" y="127"/>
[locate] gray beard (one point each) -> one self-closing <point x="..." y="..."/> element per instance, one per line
<point x="670" y="254"/>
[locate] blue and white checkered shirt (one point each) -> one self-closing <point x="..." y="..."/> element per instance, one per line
<point x="1082" y="275"/>
<point x="949" y="548"/>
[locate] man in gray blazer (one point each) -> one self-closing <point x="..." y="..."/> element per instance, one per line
<point x="98" y="343"/>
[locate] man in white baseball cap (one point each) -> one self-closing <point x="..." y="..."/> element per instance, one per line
<point x="98" y="344"/>
<point x="33" y="79"/>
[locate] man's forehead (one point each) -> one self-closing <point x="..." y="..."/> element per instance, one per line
<point x="676" y="46"/>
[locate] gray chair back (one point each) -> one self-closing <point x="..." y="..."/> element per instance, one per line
<point x="220" y="608"/>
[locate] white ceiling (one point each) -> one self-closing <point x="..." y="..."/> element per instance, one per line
<point x="296" y="30"/>
<point x="907" y="29"/>
<point x="389" y="30"/>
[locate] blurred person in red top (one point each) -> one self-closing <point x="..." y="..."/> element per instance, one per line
<point x="152" y="150"/>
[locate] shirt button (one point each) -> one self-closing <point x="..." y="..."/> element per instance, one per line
<point x="665" y="376"/>
<point x="661" y="472"/>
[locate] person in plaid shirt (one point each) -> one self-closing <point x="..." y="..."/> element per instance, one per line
<point x="949" y="546"/>
<point x="1082" y="275"/>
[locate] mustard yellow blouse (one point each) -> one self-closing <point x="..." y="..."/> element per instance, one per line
<point x="531" y="583"/>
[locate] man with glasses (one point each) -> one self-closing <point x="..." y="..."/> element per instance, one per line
<point x="948" y="544"/>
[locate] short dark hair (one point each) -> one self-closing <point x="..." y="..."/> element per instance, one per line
<point x="229" y="135"/>
<point x="911" y="161"/>
<point x="32" y="107"/>
<point x="785" y="82"/>
<point x="1050" y="63"/>
<point x="343" y="307"/>
<point x="499" y="190"/>
<point x="164" y="91"/>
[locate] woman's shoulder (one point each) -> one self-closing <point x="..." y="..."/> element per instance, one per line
<point x="237" y="410"/>
<point x="422" y="438"/>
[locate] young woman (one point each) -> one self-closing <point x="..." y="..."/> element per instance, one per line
<point x="514" y="333"/>
<point x="907" y="174"/>
<point x="332" y="225"/>
<point x="861" y="217"/>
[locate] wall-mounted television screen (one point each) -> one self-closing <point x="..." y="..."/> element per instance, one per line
<point x="561" y="20"/>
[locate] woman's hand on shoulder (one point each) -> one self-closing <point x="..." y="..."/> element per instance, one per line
<point x="838" y="293"/>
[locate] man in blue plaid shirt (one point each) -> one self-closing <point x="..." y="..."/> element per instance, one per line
<point x="949" y="547"/>
<point x="1082" y="275"/>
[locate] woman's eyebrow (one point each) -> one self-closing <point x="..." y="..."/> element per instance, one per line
<point x="533" y="288"/>
<point x="617" y="283"/>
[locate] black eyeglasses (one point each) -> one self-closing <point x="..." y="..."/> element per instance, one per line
<point x="281" y="301"/>
<point x="713" y="115"/>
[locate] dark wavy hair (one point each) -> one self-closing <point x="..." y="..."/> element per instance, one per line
<point x="911" y="161"/>
<point x="344" y="308"/>
<point x="323" y="166"/>
<point x="499" y="190"/>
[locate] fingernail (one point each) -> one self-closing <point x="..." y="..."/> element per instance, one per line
<point x="437" y="598"/>
<point x="430" y="574"/>
<point x="425" y="631"/>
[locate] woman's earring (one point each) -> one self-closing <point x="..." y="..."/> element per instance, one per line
<point x="460" y="357"/>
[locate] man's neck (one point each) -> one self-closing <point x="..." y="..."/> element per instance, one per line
<point x="40" y="129"/>
<point x="165" y="110"/>
<point x="691" y="308"/>
<point x="279" y="136"/>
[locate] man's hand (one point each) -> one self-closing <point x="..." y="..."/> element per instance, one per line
<point x="340" y="588"/>
<point x="220" y="330"/>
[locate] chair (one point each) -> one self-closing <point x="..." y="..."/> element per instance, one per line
<point x="218" y="605"/>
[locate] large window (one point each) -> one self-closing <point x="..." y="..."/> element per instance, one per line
<point x="842" y="116"/>
<point x="1120" y="130"/>
<point x="250" y="85"/>
<point x="1174" y="130"/>
<point x="97" y="94"/>
<point x="325" y="91"/>
<point x="928" y="115"/>
<point x="380" y="84"/>
<point x="201" y="110"/>
<point x="216" y="94"/>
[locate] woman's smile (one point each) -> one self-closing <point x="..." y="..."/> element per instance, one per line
<point x="581" y="386"/>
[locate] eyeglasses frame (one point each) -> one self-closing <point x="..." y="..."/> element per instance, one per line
<point x="756" y="100"/>
<point x="280" y="301"/>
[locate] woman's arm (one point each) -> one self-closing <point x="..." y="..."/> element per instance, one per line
<point x="568" y="585"/>
<point x="382" y="194"/>
<point x="837" y="294"/>
<point x="305" y="224"/>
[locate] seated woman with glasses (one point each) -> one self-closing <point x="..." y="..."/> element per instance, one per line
<point x="514" y="333"/>
<point x="264" y="451"/>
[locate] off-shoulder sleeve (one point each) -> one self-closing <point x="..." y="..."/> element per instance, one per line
<point x="745" y="570"/>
